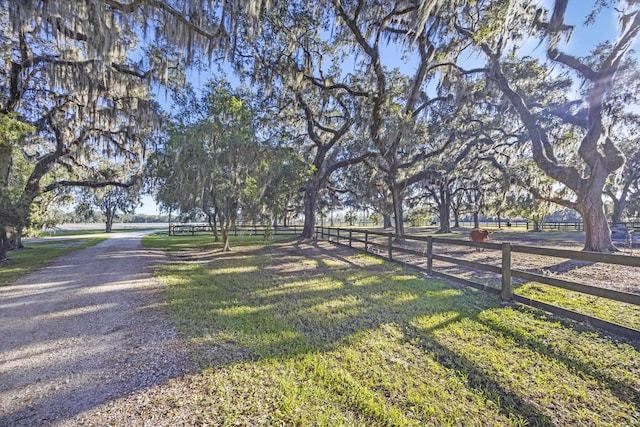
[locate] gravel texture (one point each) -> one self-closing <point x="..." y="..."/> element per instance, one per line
<point x="85" y="338"/>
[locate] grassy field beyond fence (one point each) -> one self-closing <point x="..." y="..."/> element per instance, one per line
<point x="311" y="334"/>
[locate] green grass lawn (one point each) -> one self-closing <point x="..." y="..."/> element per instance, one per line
<point x="203" y="242"/>
<point x="602" y="308"/>
<point x="36" y="255"/>
<point x="288" y="334"/>
<point x="89" y="232"/>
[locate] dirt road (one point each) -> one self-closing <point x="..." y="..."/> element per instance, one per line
<point x="82" y="331"/>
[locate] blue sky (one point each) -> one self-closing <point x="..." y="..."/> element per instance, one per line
<point x="584" y="39"/>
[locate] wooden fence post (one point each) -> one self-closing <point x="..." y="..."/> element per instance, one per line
<point x="390" y="246"/>
<point x="366" y="241"/>
<point x="429" y="255"/>
<point x="338" y="236"/>
<point x="507" y="288"/>
<point x="350" y="238"/>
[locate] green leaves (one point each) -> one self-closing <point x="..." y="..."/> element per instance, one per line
<point x="12" y="129"/>
<point x="13" y="170"/>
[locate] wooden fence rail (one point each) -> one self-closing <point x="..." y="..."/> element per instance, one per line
<point x="255" y="230"/>
<point x="384" y="241"/>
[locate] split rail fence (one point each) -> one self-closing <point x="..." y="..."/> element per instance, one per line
<point x="240" y="229"/>
<point x="384" y="244"/>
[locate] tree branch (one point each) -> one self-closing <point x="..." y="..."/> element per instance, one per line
<point x="87" y="184"/>
<point x="354" y="92"/>
<point x="563" y="112"/>
<point x="166" y="8"/>
<point x="348" y="162"/>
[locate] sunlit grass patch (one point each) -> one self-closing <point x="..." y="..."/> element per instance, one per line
<point x="203" y="242"/>
<point x="537" y="384"/>
<point x="231" y="270"/>
<point x="36" y="255"/>
<point x="394" y="297"/>
<point x="438" y="320"/>
<point x="308" y="262"/>
<point x="602" y="308"/>
<point x="366" y="259"/>
<point x="386" y="362"/>
<point x="266" y="392"/>
<point x="176" y="243"/>
<point x="610" y="361"/>
<point x="328" y="262"/>
<point x="338" y="308"/>
<point x="337" y="344"/>
<point x="361" y="280"/>
<point x="313" y="284"/>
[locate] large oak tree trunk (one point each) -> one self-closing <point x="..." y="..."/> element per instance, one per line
<point x="619" y="204"/>
<point x="386" y="220"/>
<point x="285" y="223"/>
<point x="596" y="228"/>
<point x="108" y="226"/>
<point x="396" y="196"/>
<point x="5" y="170"/>
<point x="619" y="207"/>
<point x="226" y="231"/>
<point x="444" y="209"/>
<point x="4" y="243"/>
<point x="213" y="225"/>
<point x="17" y="237"/>
<point x="310" y="201"/>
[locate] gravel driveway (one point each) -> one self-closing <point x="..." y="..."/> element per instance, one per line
<point x="84" y="331"/>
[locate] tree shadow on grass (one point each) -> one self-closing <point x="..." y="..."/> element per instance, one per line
<point x="624" y="390"/>
<point x="509" y="403"/>
<point x="285" y="302"/>
<point x="561" y="267"/>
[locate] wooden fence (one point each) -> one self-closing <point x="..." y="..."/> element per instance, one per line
<point x="240" y="229"/>
<point x="491" y="223"/>
<point x="385" y="242"/>
<point x="575" y="225"/>
<point x="559" y="225"/>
